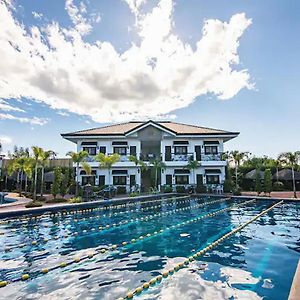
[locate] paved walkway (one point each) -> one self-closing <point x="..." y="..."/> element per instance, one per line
<point x="283" y="195"/>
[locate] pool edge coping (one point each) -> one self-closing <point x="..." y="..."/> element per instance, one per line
<point x="295" y="287"/>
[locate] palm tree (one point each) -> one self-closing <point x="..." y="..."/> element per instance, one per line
<point x="44" y="161"/>
<point x="28" y="170"/>
<point x="158" y="166"/>
<point x="106" y="162"/>
<point x="291" y="159"/>
<point x="237" y="157"/>
<point x="77" y="158"/>
<point x="37" y="155"/>
<point x="86" y="167"/>
<point x="192" y="166"/>
<point x="277" y="164"/>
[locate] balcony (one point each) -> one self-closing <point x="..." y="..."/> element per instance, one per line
<point x="211" y="157"/>
<point x="178" y="157"/>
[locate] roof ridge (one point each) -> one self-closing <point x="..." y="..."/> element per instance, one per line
<point x="192" y="125"/>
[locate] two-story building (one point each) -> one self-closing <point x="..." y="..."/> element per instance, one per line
<point x="172" y="143"/>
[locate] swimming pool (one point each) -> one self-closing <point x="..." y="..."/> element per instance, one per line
<point x="110" y="253"/>
<point x="7" y="200"/>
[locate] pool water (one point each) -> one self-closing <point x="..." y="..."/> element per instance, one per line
<point x="258" y="262"/>
<point x="7" y="200"/>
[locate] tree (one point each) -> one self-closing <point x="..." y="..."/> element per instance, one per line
<point x="28" y="170"/>
<point x="55" y="189"/>
<point x="228" y="181"/>
<point x="106" y="162"/>
<point x="192" y="166"/>
<point x="44" y="161"/>
<point x="77" y="158"/>
<point x="65" y="184"/>
<point x="158" y="166"/>
<point x="258" y="187"/>
<point x="268" y="181"/>
<point x="237" y="157"/>
<point x="291" y="159"/>
<point x="37" y="154"/>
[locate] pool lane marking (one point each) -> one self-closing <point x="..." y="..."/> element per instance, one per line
<point x="103" y="250"/>
<point x="106" y="227"/>
<point x="188" y="260"/>
<point x="87" y="210"/>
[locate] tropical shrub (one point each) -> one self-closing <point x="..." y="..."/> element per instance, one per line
<point x="133" y="194"/>
<point x="268" y="182"/>
<point x="33" y="204"/>
<point x="55" y="189"/>
<point x="167" y="189"/>
<point x="56" y="200"/>
<point x="180" y="189"/>
<point x="278" y="186"/>
<point x="258" y="186"/>
<point x="201" y="189"/>
<point x="75" y="200"/>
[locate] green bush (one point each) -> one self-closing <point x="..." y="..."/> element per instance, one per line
<point x="201" y="189"/>
<point x="121" y="190"/>
<point x="75" y="200"/>
<point x="237" y="191"/>
<point x="180" y="189"/>
<point x="278" y="186"/>
<point x="33" y="204"/>
<point x="56" y="200"/>
<point x="227" y="185"/>
<point x="55" y="188"/>
<point x="167" y="189"/>
<point x="133" y="194"/>
<point x="268" y="181"/>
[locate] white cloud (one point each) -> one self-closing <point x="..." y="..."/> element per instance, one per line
<point x="37" y="16"/>
<point x="63" y="113"/>
<point x="32" y="120"/>
<point x="5" y="140"/>
<point x="153" y="78"/>
<point x="5" y="106"/>
<point x="75" y="13"/>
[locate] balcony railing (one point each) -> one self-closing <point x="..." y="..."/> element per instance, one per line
<point x="178" y="157"/>
<point x="211" y="157"/>
<point x="168" y="157"/>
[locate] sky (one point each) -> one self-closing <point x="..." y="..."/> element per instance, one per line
<point x="72" y="65"/>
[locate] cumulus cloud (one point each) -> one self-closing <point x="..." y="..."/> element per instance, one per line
<point x="32" y="120"/>
<point x="158" y="75"/>
<point x="76" y="13"/>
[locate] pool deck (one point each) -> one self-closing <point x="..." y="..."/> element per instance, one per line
<point x="295" y="289"/>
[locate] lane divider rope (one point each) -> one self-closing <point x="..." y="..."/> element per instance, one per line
<point x="105" y="227"/>
<point x="165" y="274"/>
<point x="121" y="245"/>
<point x="102" y="206"/>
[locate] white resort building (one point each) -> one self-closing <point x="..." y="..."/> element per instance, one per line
<point x="174" y="144"/>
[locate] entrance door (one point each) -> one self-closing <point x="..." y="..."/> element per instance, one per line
<point x="199" y="179"/>
<point x="146" y="180"/>
<point x="132" y="180"/>
<point x="101" y="180"/>
<point x="169" y="179"/>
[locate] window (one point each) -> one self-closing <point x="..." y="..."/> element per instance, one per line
<point x="211" y="149"/>
<point x="119" y="180"/>
<point x="212" y="179"/>
<point x="180" y="150"/>
<point x="120" y="150"/>
<point x="102" y="149"/>
<point x="182" y="179"/>
<point x="101" y="180"/>
<point x="90" y="150"/>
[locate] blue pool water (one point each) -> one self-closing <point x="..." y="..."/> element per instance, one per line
<point x="258" y="262"/>
<point x="7" y="200"/>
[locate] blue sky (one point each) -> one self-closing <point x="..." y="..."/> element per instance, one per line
<point x="266" y="114"/>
